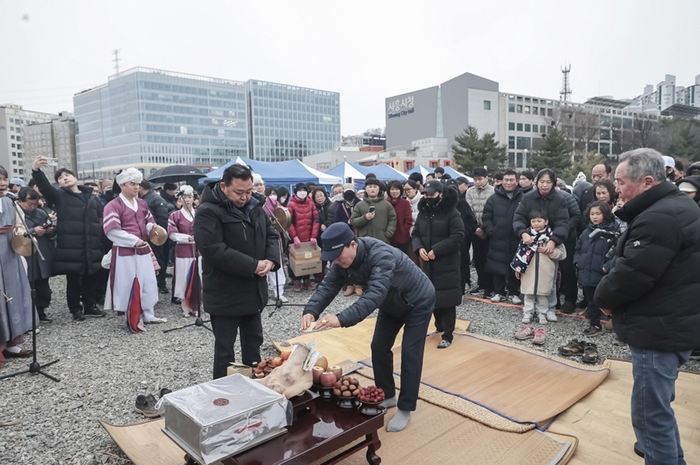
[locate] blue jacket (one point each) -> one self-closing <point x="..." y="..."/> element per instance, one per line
<point x="590" y="254"/>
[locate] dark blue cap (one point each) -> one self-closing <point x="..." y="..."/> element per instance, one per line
<point x="334" y="240"/>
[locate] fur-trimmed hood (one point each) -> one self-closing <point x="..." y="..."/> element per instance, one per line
<point x="450" y="197"/>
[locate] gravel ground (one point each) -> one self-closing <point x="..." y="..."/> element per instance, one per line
<point x="103" y="368"/>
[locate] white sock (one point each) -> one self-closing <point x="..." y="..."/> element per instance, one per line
<point x="14" y="349"/>
<point x="399" y="422"/>
<point x="388" y="403"/>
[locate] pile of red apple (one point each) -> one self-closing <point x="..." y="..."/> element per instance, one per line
<point x="326" y="377"/>
<point x="371" y="394"/>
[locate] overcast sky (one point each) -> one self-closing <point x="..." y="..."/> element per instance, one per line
<point x="366" y="50"/>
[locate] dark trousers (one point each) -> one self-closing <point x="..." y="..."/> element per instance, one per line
<point x="162" y="256"/>
<point x="445" y="319"/>
<point x="481" y="249"/>
<point x="415" y="325"/>
<point x="464" y="265"/>
<point x="501" y="282"/>
<point x="592" y="311"/>
<point x="80" y="287"/>
<point x="225" y="331"/>
<point x="101" y="286"/>
<point x="569" y="285"/>
<point x="43" y="294"/>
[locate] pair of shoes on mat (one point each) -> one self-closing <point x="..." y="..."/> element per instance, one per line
<point x="587" y="350"/>
<point x="529" y="332"/>
<point x="146" y="405"/>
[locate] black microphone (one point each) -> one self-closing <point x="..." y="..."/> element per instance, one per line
<point x="12" y="196"/>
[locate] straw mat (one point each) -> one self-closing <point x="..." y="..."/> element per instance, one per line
<point x="516" y="383"/>
<point x="437" y="434"/>
<point x="353" y="343"/>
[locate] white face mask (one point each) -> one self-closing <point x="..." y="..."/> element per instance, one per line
<point x="273" y="196"/>
<point x="302" y="194"/>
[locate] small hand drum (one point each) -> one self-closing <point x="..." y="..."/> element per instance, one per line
<point x="281" y="219"/>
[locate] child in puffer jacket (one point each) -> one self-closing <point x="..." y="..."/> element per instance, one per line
<point x="590" y="257"/>
<point x="536" y="273"/>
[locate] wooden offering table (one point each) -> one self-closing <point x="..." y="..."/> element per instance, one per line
<point x="319" y="431"/>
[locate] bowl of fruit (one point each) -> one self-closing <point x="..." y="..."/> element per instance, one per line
<point x="346" y="390"/>
<point x="371" y="397"/>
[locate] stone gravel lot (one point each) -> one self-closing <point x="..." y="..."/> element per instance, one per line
<point x="103" y="368"/>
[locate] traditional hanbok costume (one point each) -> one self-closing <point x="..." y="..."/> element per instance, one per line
<point x="187" y="275"/>
<point x="132" y="274"/>
<point x="15" y="293"/>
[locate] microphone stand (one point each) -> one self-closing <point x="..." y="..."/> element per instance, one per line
<point x="198" y="321"/>
<point x="34" y="366"/>
<point x="283" y="234"/>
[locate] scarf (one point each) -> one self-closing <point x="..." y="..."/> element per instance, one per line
<point x="523" y="256"/>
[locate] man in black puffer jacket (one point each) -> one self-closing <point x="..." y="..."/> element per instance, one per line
<point x="79" y="237"/>
<point x="437" y="239"/>
<point x="239" y="247"/>
<point x="652" y="292"/>
<point x="503" y="242"/>
<point x="402" y="293"/>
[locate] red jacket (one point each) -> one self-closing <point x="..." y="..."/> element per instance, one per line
<point x="305" y="219"/>
<point x="404" y="221"/>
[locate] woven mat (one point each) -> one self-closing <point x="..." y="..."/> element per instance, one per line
<point x="340" y="344"/>
<point x="439" y="433"/>
<point x="511" y="381"/>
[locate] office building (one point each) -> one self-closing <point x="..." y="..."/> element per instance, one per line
<point x="520" y="122"/>
<point x="14" y="119"/>
<point x="53" y="139"/>
<point x="289" y="122"/>
<point x="149" y="118"/>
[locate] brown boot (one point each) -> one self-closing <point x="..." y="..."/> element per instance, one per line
<point x="358" y="290"/>
<point x="349" y="290"/>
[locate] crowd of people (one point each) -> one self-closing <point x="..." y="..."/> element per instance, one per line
<point x="404" y="246"/>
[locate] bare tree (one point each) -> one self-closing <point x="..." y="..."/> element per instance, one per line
<point x="579" y="124"/>
<point x="646" y="131"/>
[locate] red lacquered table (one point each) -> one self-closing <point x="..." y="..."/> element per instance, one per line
<point x="321" y="430"/>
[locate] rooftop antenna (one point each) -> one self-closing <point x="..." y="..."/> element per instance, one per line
<point x="116" y="60"/>
<point x="565" y="94"/>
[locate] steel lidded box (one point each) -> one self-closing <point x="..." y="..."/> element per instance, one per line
<point x="220" y="418"/>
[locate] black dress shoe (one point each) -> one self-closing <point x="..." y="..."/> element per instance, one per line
<point x="568" y="307"/>
<point x="78" y="316"/>
<point x="176" y="301"/>
<point x="163" y="290"/>
<point x="637" y="450"/>
<point x="94" y="312"/>
<point x="44" y="318"/>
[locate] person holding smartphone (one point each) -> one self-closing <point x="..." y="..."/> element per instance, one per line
<point x="374" y="217"/>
